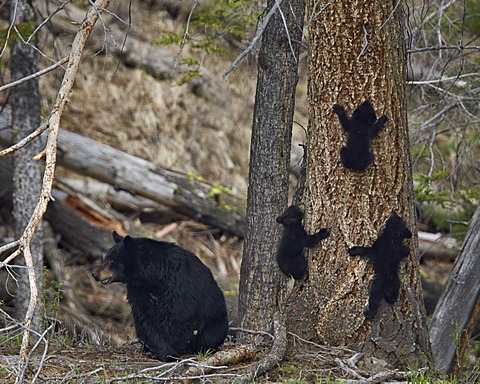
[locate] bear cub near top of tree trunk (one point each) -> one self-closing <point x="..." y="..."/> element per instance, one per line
<point x="177" y="306"/>
<point x="294" y="239"/>
<point x="361" y="129"/>
<point x="386" y="253"/>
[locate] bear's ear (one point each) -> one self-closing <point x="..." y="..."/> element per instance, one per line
<point x="116" y="237"/>
<point x="129" y="244"/>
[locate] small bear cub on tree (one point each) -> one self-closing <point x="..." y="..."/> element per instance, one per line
<point x="386" y="253"/>
<point x="361" y="129"/>
<point x="294" y="239"/>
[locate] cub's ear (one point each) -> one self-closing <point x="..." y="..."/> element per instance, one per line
<point x="129" y="244"/>
<point x="116" y="237"/>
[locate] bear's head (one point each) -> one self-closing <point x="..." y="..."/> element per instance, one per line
<point x="117" y="261"/>
<point x="397" y="228"/>
<point x="293" y="215"/>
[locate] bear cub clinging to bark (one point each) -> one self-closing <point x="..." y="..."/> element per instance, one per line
<point x="386" y="253"/>
<point x="177" y="306"/>
<point x="361" y="129"/>
<point x="294" y="239"/>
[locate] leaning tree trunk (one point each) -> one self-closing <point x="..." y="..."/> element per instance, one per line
<point x="357" y="53"/>
<point x="458" y="309"/>
<point x="260" y="279"/>
<point x="27" y="178"/>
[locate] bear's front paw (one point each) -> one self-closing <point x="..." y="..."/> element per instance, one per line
<point x="354" y="251"/>
<point x="324" y="233"/>
<point x="337" y="108"/>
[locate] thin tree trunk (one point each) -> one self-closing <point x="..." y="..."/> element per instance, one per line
<point x="27" y="178"/>
<point x="260" y="279"/>
<point x="357" y="53"/>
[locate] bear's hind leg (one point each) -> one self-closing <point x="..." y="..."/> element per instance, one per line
<point x="160" y="351"/>
<point x="392" y="290"/>
<point x="213" y="335"/>
<point x="377" y="292"/>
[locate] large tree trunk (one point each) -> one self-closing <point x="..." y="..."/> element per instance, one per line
<point x="260" y="279"/>
<point x="27" y="178"/>
<point x="458" y="308"/>
<point x="357" y="53"/>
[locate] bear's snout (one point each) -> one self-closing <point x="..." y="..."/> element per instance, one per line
<point x="103" y="276"/>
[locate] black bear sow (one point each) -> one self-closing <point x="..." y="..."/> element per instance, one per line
<point x="177" y="306"/>
<point x="294" y="239"/>
<point x="361" y="129"/>
<point x="386" y="253"/>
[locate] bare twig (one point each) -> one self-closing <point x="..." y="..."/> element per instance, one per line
<point x="185" y="36"/>
<point x="444" y="47"/>
<point x="254" y="40"/>
<point x="367" y="43"/>
<point x="19" y="145"/>
<point x="47" y="19"/>
<point x="6" y="247"/>
<point x="34" y="75"/>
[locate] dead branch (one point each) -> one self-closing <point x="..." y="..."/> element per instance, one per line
<point x="34" y="76"/>
<point x="225" y="357"/>
<point x="254" y="41"/>
<point x="51" y="154"/>
<point x="24" y="141"/>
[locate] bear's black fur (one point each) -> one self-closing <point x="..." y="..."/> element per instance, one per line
<point x="177" y="306"/>
<point x="289" y="256"/>
<point x="386" y="254"/>
<point x="361" y="129"/>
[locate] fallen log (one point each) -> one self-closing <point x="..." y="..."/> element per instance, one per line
<point x="82" y="224"/>
<point x="130" y="45"/>
<point x="189" y="195"/>
<point x="435" y="246"/>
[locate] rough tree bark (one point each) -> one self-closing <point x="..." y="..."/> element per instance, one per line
<point x="457" y="311"/>
<point x="27" y="178"/>
<point x="260" y="279"/>
<point x="357" y="53"/>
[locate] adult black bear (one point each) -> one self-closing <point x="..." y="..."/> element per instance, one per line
<point x="386" y="253"/>
<point x="289" y="256"/>
<point x="361" y="129"/>
<point x="177" y="306"/>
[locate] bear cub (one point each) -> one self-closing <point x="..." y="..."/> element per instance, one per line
<point x="176" y="304"/>
<point x="294" y="239"/>
<point x="386" y="253"/>
<point x="361" y="129"/>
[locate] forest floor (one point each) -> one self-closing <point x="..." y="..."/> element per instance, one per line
<point x="305" y="363"/>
